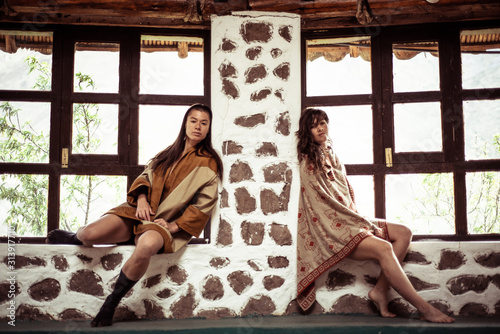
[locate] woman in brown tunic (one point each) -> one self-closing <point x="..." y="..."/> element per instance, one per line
<point x="169" y="203"/>
<point x="330" y="228"/>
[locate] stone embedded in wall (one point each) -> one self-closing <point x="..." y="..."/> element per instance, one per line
<point x="177" y="274"/>
<point x="275" y="53"/>
<point x="245" y="203"/>
<point x="286" y="33"/>
<point x="123" y="313"/>
<point x="6" y="288"/>
<point x="228" y="70"/>
<point x="283" y="123"/>
<point x="370" y="279"/>
<point x="271" y="203"/>
<point x="219" y="262"/>
<point x="184" y="307"/>
<point x="280" y="234"/>
<point x="401" y="308"/>
<point x="464" y="283"/>
<point x="28" y="312"/>
<point x="279" y="94"/>
<point x="261" y="305"/>
<point x="73" y="314"/>
<point x="252" y="233"/>
<point x="495" y="279"/>
<point x="279" y="172"/>
<point x="475" y="310"/>
<point x="441" y="305"/>
<point x="212" y="288"/>
<point x="253" y="31"/>
<point x="351" y="304"/>
<point x="60" y="262"/>
<point x="151" y="281"/>
<point x="260" y="94"/>
<point x="416" y="257"/>
<point x="225" y="234"/>
<point x="45" y="290"/>
<point x="277" y="262"/>
<point x="294" y="308"/>
<point x="240" y="281"/>
<point x="272" y="282"/>
<point x="420" y="285"/>
<point x="26" y="261"/>
<point x="251" y="121"/>
<point x="338" y="279"/>
<point x="230" y="147"/>
<point x="267" y="149"/>
<point x="488" y="260"/>
<point x="227" y="45"/>
<point x="254" y="265"/>
<point x="224" y="199"/>
<point x="451" y="259"/>
<point x="253" y="53"/>
<point x="86" y="281"/>
<point x="84" y="258"/>
<point x="153" y="310"/>
<point x="497" y="309"/>
<point x="216" y="313"/>
<point x="230" y="89"/>
<point x="282" y="71"/>
<point x="111" y="261"/>
<point x="240" y="171"/>
<point x="255" y="73"/>
<point x="164" y="294"/>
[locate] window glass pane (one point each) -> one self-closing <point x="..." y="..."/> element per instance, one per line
<point x="415" y="67"/>
<point x="482" y="129"/>
<point x="364" y="197"/>
<point x="95" y="128"/>
<point x="351" y="131"/>
<point x="23" y="204"/>
<point x="483" y="206"/>
<point x="480" y="58"/>
<point x="24" y="132"/>
<point x="171" y="65"/>
<point x="96" y="67"/>
<point x="417" y="127"/>
<point x="159" y="126"/>
<point x="25" y="52"/>
<point x="338" y="66"/>
<point x="424" y="202"/>
<point x="85" y="198"/>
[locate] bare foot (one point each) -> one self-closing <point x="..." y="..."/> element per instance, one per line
<point x="380" y="300"/>
<point x="432" y="314"/>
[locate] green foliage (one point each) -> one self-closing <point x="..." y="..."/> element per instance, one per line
<point x="20" y="142"/>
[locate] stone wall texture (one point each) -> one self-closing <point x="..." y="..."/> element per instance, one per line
<point x="249" y="267"/>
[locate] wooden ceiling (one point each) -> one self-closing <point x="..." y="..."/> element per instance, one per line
<point x="195" y="14"/>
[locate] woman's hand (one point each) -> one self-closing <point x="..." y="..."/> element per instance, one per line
<point x="171" y="227"/>
<point x="144" y="211"/>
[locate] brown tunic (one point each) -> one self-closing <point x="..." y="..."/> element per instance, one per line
<point x="185" y="194"/>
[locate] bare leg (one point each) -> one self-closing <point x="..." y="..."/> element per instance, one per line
<point x="373" y="248"/>
<point x="401" y="238"/>
<point x="109" y="229"/>
<point x="148" y="244"/>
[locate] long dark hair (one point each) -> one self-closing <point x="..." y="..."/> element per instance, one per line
<point x="306" y="144"/>
<point x="168" y="156"/>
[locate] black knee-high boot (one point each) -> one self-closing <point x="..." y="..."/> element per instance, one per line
<point x="105" y="315"/>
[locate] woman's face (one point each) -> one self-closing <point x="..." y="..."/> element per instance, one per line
<point x="319" y="132"/>
<point x="197" y="126"/>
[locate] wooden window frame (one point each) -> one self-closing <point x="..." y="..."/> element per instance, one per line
<point x="128" y="98"/>
<point x="451" y="95"/>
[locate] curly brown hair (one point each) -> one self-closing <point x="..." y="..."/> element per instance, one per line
<point x="306" y="146"/>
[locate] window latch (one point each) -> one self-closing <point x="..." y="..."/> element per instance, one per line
<point x="65" y="158"/>
<point x="388" y="157"/>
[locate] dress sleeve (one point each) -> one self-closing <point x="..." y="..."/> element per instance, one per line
<point x="196" y="215"/>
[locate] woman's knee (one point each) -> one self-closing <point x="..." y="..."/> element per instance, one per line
<point x="148" y="244"/>
<point x="87" y="234"/>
